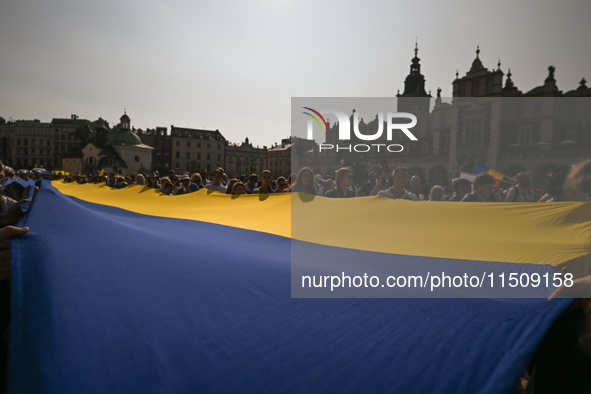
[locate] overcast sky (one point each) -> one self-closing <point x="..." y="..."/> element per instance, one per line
<point x="234" y="65"/>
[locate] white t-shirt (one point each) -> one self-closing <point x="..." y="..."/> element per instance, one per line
<point x="220" y="188"/>
<point x="406" y="196"/>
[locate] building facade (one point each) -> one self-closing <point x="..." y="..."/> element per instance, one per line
<point x="279" y="158"/>
<point x="485" y="122"/>
<point x="193" y="149"/>
<point x="27" y="144"/>
<point x="65" y="143"/>
<point x="123" y="149"/>
<point x="245" y="159"/>
<point x="162" y="148"/>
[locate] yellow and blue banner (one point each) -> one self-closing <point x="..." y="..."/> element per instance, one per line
<point x="479" y="169"/>
<point x="132" y="291"/>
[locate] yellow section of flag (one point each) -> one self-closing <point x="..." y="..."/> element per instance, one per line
<point x="495" y="174"/>
<point x="549" y="233"/>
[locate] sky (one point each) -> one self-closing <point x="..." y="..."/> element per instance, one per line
<point x="235" y="65"/>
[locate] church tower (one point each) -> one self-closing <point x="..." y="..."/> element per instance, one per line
<point x="125" y="121"/>
<point x="414" y="98"/>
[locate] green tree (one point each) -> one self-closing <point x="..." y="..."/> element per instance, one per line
<point x="83" y="133"/>
<point x="161" y="169"/>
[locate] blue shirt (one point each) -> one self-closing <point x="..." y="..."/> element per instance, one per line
<point x="472" y="198"/>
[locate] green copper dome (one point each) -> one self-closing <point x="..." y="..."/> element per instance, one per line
<point x="126" y="137"/>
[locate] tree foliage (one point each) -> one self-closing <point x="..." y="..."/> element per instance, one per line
<point x="83" y="133"/>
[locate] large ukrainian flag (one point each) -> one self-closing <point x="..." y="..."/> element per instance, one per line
<point x="128" y="291"/>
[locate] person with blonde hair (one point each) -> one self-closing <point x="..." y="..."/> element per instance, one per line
<point x="436" y="193"/>
<point x="140" y="180"/>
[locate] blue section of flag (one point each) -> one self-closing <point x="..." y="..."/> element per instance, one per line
<point x="110" y="301"/>
<point x="479" y="169"/>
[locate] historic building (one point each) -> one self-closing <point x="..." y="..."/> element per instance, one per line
<point x="65" y="143"/>
<point x="279" y="158"/>
<point x="123" y="149"/>
<point x="26" y="144"/>
<point x="162" y="148"/>
<point x="193" y="149"/>
<point x="245" y="159"/>
<point x="485" y="122"/>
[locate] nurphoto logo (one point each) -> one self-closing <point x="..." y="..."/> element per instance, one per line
<point x="345" y="130"/>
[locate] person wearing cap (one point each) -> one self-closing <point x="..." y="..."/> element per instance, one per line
<point x="153" y="180"/>
<point x="185" y="182"/>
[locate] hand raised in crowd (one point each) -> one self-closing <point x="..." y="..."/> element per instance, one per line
<point x="498" y="195"/>
<point x="581" y="288"/>
<point x="15" y="212"/>
<point x="6" y="234"/>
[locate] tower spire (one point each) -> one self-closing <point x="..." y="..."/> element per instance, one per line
<point x="509" y="81"/>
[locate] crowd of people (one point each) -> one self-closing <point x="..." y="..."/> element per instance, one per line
<point x="396" y="184"/>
